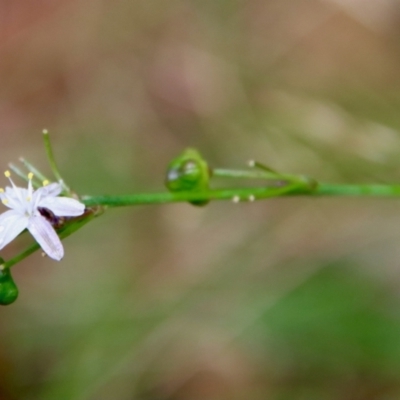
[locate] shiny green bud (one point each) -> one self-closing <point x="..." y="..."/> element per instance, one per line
<point x="8" y="288"/>
<point x="188" y="172"/>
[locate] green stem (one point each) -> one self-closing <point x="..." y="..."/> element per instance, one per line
<point x="247" y="194"/>
<point x="52" y="161"/>
<point x="236" y="195"/>
<point x="34" y="170"/>
<point x="325" y="189"/>
<point x="255" y="174"/>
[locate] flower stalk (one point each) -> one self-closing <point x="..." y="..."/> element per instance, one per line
<point x="52" y="161"/>
<point x="245" y="194"/>
<point x="44" y="210"/>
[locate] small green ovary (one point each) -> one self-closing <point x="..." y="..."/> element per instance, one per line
<point x="8" y="288"/>
<point x="188" y="172"/>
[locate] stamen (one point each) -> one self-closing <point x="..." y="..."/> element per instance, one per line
<point x="7" y="174"/>
<point x="4" y="201"/>
<point x="30" y="176"/>
<point x="252" y="197"/>
<point x="1" y="190"/>
<point x="251" y="163"/>
<point x="45" y="182"/>
<point x="236" y="199"/>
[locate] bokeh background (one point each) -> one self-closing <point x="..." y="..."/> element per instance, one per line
<point x="294" y="298"/>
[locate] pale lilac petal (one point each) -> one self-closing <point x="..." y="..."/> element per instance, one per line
<point x="46" y="236"/>
<point x="62" y="206"/>
<point x="16" y="192"/>
<point x="14" y="197"/>
<point x="52" y="189"/>
<point x="11" y="225"/>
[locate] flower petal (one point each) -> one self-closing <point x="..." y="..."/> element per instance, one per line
<point x="63" y="206"/>
<point x="52" y="189"/>
<point x="46" y="236"/>
<point x="15" y="198"/>
<point x="11" y="225"/>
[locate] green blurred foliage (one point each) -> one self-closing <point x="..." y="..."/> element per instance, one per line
<point x="286" y="299"/>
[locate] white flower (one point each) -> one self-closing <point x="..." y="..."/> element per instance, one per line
<point x="24" y="214"/>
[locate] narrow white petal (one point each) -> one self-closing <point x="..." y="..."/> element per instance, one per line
<point x="11" y="225"/>
<point x="15" y="198"/>
<point x="63" y="206"/>
<point x="52" y="189"/>
<point x="46" y="236"/>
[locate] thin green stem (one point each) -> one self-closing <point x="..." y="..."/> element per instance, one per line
<point x="52" y="161"/>
<point x="247" y="194"/>
<point x="325" y="189"/>
<point x="33" y="169"/>
<point x="249" y="174"/>
<point x="257" y="174"/>
<point x="236" y="195"/>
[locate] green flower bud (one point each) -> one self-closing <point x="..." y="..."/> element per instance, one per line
<point x="188" y="172"/>
<point x="8" y="288"/>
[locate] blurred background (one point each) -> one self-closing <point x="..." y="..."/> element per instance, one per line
<point x="293" y="298"/>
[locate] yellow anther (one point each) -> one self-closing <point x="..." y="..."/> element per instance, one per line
<point x="29" y="198"/>
<point x="30" y="175"/>
<point x="45" y="182"/>
<point x="4" y="201"/>
<point x="1" y="190"/>
<point x="7" y="174"/>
